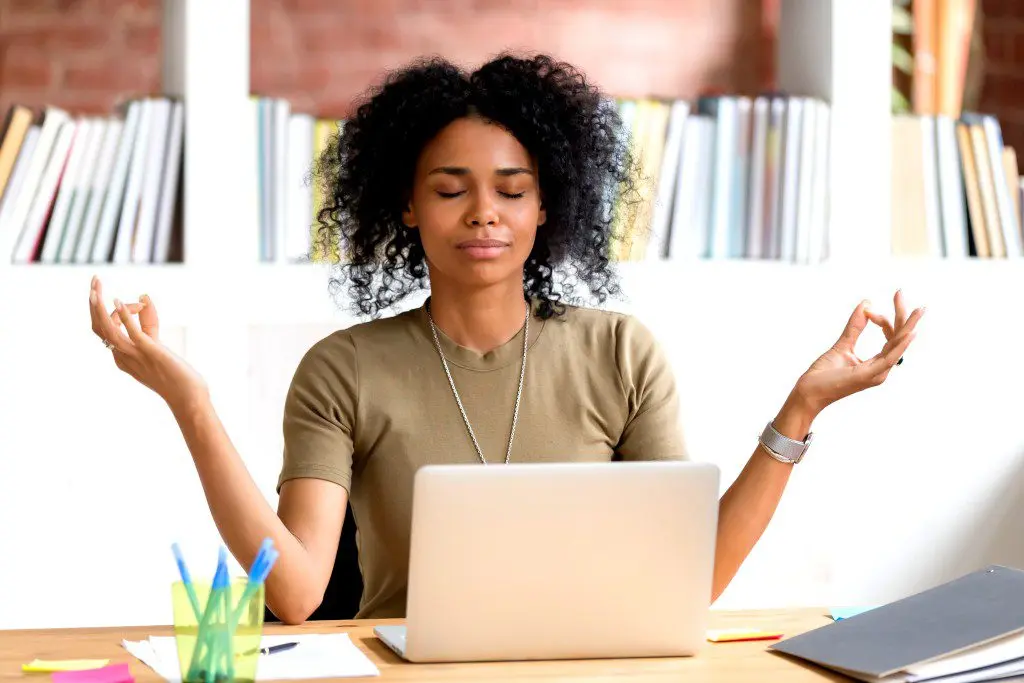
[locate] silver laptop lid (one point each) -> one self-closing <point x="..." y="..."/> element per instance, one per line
<point x="566" y="560"/>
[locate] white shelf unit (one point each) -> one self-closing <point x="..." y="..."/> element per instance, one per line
<point x="94" y="474"/>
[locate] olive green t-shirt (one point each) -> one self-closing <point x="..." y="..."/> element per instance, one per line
<point x="371" y="404"/>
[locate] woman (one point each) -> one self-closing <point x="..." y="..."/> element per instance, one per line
<point x="483" y="187"/>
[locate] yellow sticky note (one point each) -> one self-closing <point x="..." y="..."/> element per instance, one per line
<point x="732" y="635"/>
<point x="47" y="666"/>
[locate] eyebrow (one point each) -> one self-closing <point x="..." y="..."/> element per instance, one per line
<point x="462" y="171"/>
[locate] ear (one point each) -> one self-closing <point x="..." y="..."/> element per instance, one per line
<point x="542" y="217"/>
<point x="409" y="217"/>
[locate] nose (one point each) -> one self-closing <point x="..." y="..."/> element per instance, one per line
<point x="481" y="213"/>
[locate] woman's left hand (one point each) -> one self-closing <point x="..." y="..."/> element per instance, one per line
<point x="838" y="372"/>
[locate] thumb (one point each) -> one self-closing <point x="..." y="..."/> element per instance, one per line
<point x="856" y="324"/>
<point x="148" y="318"/>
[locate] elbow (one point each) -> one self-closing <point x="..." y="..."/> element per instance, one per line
<point x="289" y="619"/>
<point x="295" y="611"/>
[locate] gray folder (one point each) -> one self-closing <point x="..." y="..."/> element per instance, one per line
<point x="963" y="613"/>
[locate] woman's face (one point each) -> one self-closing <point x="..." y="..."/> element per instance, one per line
<point x="476" y="202"/>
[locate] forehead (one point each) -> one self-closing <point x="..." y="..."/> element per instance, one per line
<point x="474" y="143"/>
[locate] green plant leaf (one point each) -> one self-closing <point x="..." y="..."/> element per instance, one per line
<point x="902" y="21"/>
<point x="902" y="60"/>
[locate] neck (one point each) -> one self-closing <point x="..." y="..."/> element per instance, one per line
<point x="481" y="319"/>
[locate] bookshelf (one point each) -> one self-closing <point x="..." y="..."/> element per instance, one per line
<point x="206" y="63"/>
<point x="121" y="466"/>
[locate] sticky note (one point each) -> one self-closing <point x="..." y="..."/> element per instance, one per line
<point x="47" y="666"/>
<point x="118" y="673"/>
<point x="840" y="613"/>
<point x="734" y="635"/>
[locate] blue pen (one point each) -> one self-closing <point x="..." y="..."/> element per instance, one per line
<point x="226" y="631"/>
<point x="186" y="579"/>
<point x="257" y="575"/>
<point x="267" y="544"/>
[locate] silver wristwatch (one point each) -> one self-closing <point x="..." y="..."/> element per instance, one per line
<point x="783" y="448"/>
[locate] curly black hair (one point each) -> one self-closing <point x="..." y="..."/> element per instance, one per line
<point x="586" y="175"/>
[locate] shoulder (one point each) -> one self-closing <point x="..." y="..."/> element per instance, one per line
<point x="618" y="332"/>
<point x="340" y="351"/>
<point x="614" y="339"/>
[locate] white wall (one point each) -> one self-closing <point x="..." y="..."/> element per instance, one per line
<point x="908" y="484"/>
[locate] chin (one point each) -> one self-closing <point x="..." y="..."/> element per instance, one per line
<point x="484" y="274"/>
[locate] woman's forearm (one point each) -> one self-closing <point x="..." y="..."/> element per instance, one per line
<point x="241" y="513"/>
<point x="749" y="504"/>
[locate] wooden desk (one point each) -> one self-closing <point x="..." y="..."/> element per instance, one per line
<point x="717" y="663"/>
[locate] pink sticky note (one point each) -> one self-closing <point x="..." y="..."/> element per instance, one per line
<point x="115" y="673"/>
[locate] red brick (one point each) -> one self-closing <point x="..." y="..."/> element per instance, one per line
<point x="998" y="45"/>
<point x="144" y="39"/>
<point x="505" y="5"/>
<point x="27" y="7"/>
<point x="58" y="37"/>
<point x="996" y="8"/>
<point x="89" y="102"/>
<point x="322" y="38"/>
<point x="321" y="54"/>
<point x="1002" y="92"/>
<point x="132" y="10"/>
<point x="315" y="7"/>
<point x="272" y="80"/>
<point x="994" y="89"/>
<point x="113" y="74"/>
<point x="25" y="68"/>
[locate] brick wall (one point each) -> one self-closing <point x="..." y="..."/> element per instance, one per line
<point x="322" y="53"/>
<point x="88" y="54"/>
<point x="1002" y="91"/>
<point x="81" y="54"/>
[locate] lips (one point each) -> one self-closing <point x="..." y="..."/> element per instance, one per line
<point x="482" y="244"/>
<point x="483" y="249"/>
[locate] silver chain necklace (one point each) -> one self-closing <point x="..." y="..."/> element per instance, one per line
<point x="451" y="382"/>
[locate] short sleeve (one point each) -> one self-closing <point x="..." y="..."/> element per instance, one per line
<point x="653" y="430"/>
<point x="319" y="413"/>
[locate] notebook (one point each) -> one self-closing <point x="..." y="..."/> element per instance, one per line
<point x="969" y="629"/>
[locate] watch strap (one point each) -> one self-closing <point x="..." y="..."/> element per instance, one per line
<point x="783" y="448"/>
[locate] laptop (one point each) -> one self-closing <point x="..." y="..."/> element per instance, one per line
<point x="558" y="561"/>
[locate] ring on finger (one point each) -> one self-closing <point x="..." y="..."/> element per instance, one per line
<point x="108" y="344"/>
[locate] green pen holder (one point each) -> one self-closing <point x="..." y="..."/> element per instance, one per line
<point x="215" y="647"/>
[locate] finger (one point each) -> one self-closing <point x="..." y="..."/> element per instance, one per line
<point x="102" y="325"/>
<point x="901" y="309"/>
<point x="132" y="308"/>
<point x="881" y="321"/>
<point x="94" y="305"/>
<point x="891" y="353"/>
<point x="130" y="324"/>
<point x="148" y="318"/>
<point x="886" y="362"/>
<point x="856" y="324"/>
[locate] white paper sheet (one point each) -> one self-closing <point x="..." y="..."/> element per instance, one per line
<point x="318" y="655"/>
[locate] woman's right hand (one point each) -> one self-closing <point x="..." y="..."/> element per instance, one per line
<point x="140" y="352"/>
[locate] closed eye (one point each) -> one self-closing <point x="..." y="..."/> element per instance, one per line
<point x="509" y="195"/>
<point x="449" y="195"/>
